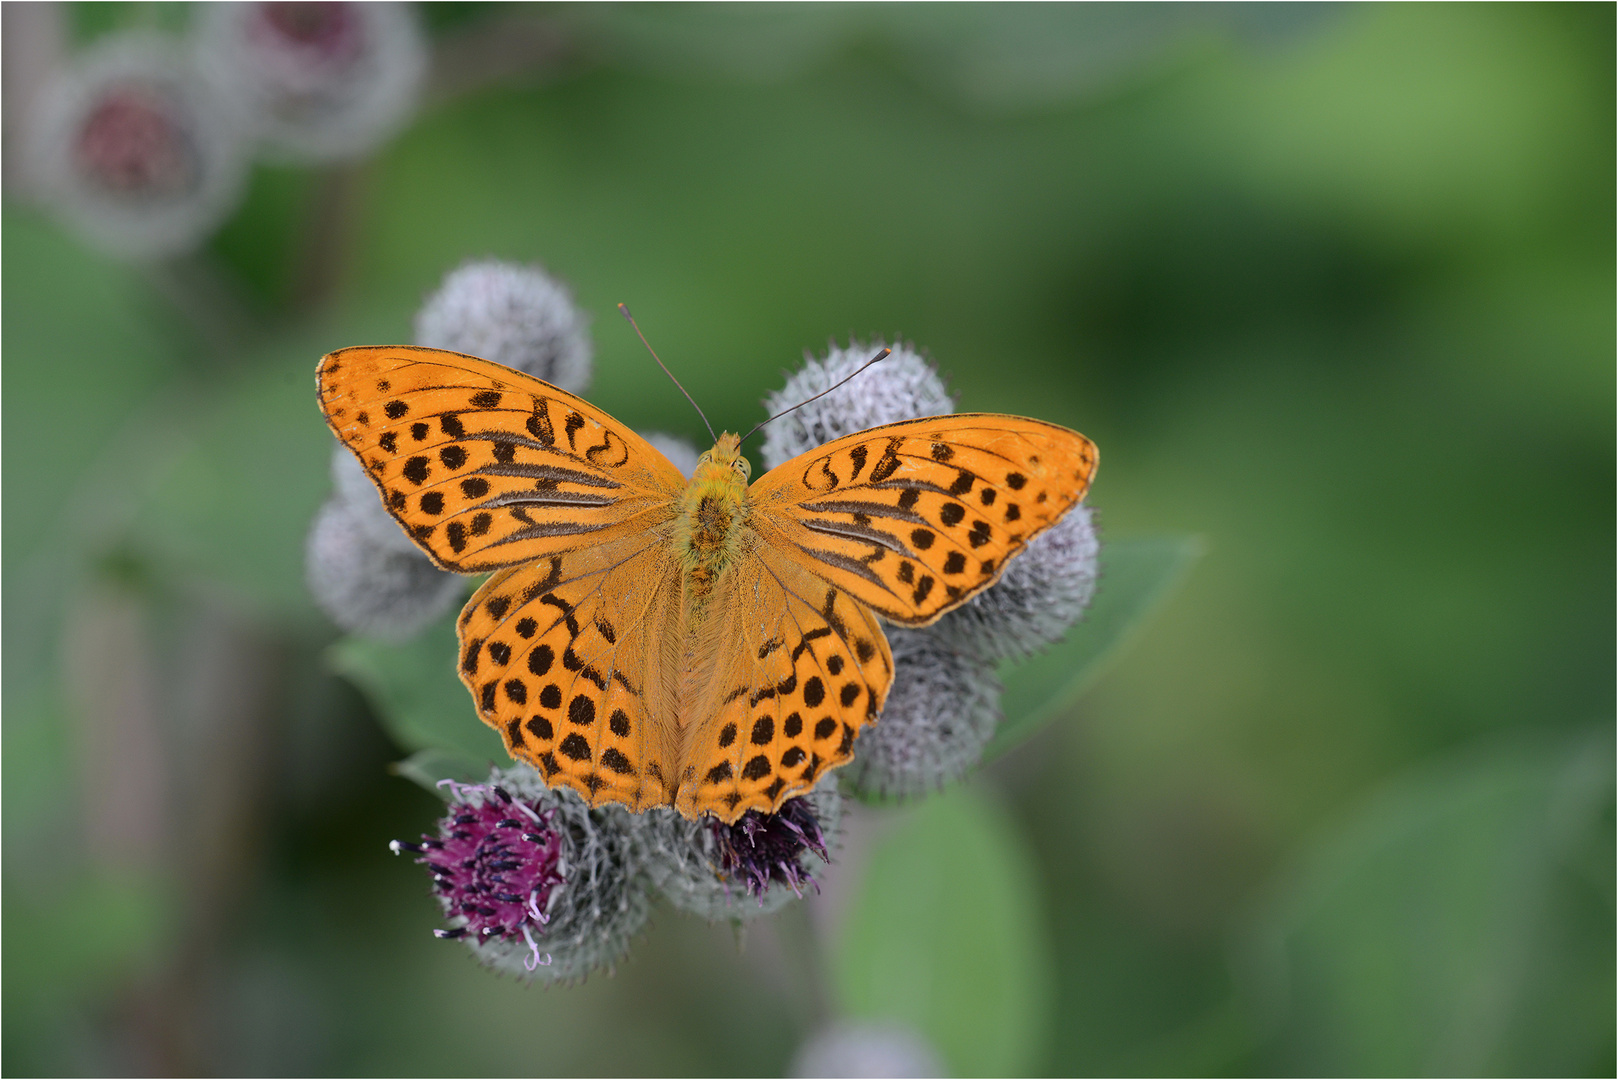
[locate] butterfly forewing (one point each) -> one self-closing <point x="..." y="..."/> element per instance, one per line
<point x="915" y="518"/>
<point x="802" y="669"/>
<point x="486" y="467"/>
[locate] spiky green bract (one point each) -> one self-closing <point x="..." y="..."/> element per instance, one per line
<point x="1043" y="591"/>
<point x="940" y="714"/>
<point x="603" y="899"/>
<point x="515" y="315"/>
<point x="902" y="387"/>
<point x="687" y="861"/>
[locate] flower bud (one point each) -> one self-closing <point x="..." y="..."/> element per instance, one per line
<point x="354" y="487"/>
<point x="941" y="712"/>
<point x="518" y="316"/>
<point x="902" y="387"/>
<point x="1043" y="591"/>
<point x="372" y="587"/>
<point x="864" y="1048"/>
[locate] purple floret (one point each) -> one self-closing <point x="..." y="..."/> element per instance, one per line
<point x="496" y="864"/>
<point x="761" y="848"/>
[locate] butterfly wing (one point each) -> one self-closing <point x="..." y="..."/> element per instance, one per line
<point x="563" y="658"/>
<point x="788" y="670"/>
<point x="914" y="518"/>
<point x="486" y="467"/>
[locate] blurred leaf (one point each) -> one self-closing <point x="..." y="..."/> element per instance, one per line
<point x="1461" y="923"/>
<point x="89" y="21"/>
<point x="416" y="694"/>
<point x="236" y="505"/>
<point x="264" y="241"/>
<point x="946" y="935"/>
<point x="427" y="767"/>
<point x="1137" y="576"/>
<point x="119" y="921"/>
<point x="88" y="347"/>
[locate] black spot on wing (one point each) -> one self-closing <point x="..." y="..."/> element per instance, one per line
<point x="857" y="456"/>
<point x="576" y="747"/>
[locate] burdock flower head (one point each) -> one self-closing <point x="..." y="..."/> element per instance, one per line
<point x="537" y="883"/>
<point x="902" y="387"/>
<point x="129" y="147"/>
<point x="762" y="862"/>
<point x="941" y="712"/>
<point x="314" y="81"/>
<point x="361" y="568"/>
<point x="1042" y="592"/>
<point x="760" y="849"/>
<point x="515" y="315"/>
<point x="497" y="865"/>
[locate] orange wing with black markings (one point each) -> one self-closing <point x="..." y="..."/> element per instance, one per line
<point x="913" y="519"/>
<point x="485" y="467"/>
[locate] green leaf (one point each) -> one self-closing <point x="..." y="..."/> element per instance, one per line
<point x="416" y="694"/>
<point x="122" y="922"/>
<point x="1459" y="923"/>
<point x="946" y="936"/>
<point x="1137" y="576"/>
<point x="236" y="504"/>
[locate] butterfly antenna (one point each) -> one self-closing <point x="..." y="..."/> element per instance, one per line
<point x="883" y="355"/>
<point x="625" y="309"/>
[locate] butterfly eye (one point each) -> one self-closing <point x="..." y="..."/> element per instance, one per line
<point x="744" y="467"/>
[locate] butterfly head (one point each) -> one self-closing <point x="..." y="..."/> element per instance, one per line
<point x="724" y="465"/>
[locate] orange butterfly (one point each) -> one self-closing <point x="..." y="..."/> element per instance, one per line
<point x="706" y="644"/>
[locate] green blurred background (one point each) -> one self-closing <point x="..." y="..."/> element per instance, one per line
<point x="1333" y="290"/>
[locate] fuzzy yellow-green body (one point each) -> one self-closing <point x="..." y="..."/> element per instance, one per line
<point x="712" y="517"/>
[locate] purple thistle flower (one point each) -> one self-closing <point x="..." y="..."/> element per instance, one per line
<point x="761" y="848"/>
<point x="496" y="865"/>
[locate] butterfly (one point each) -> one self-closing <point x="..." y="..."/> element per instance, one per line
<point x="709" y="644"/>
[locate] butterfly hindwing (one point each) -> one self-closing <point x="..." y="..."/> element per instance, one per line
<point x="805" y="667"/>
<point x="559" y="657"/>
<point x="486" y="467"/>
<point x="915" y="518"/>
